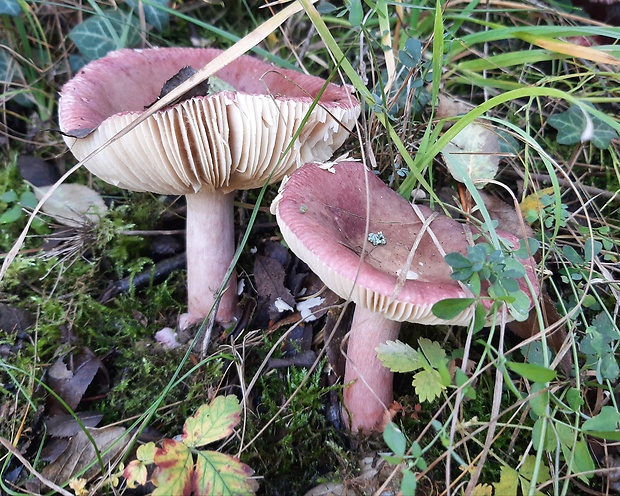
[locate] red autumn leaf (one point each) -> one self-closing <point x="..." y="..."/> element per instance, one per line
<point x="174" y="469"/>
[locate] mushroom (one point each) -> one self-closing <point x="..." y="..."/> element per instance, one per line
<point x="203" y="147"/>
<point x="323" y="219"/>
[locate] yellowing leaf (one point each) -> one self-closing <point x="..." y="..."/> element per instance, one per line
<point x="474" y="153"/>
<point x="221" y="474"/>
<point x="570" y="49"/>
<point x="399" y="357"/>
<point x="174" y="469"/>
<point x="146" y="453"/>
<point x="72" y="204"/>
<point x="212" y="422"/>
<point x="508" y="482"/>
<point x="483" y="490"/>
<point x="135" y="473"/>
<point x="428" y="384"/>
<point x="532" y="202"/>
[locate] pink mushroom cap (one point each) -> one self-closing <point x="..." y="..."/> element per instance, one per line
<point x="204" y="147"/>
<point x="322" y="214"/>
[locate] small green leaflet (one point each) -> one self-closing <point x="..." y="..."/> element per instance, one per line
<point x="575" y="126"/>
<point x="604" y="425"/>
<point x="451" y="307"/>
<point x="532" y="372"/>
<point x="395" y="439"/>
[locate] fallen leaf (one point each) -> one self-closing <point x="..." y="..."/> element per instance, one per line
<point x="70" y="382"/>
<point x="269" y="276"/>
<point x="72" y="204"/>
<point x="37" y="171"/>
<point x="473" y="153"/>
<point x="81" y="453"/>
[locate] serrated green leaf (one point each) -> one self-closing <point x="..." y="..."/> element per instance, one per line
<point x="508" y="482"/>
<point x="574" y="126"/>
<point x="428" y="385"/>
<point x="100" y="34"/>
<point x="483" y="490"/>
<point x="532" y="372"/>
<point x="395" y="439"/>
<point x="175" y="464"/>
<point x="10" y="7"/>
<point x="473" y="153"/>
<point x="399" y="357"/>
<point x="212" y="422"/>
<point x="433" y="352"/>
<point x="451" y="307"/>
<point x="222" y="474"/>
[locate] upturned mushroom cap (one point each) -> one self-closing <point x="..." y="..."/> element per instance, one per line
<point x="322" y="217"/>
<point x="225" y="141"/>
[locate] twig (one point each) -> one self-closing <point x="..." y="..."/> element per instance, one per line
<point x="31" y="469"/>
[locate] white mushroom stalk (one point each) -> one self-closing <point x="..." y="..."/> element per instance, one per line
<point x="322" y="217"/>
<point x="204" y="147"/>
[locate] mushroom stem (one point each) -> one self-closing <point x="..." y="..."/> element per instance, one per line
<point x="366" y="400"/>
<point x="210" y="249"/>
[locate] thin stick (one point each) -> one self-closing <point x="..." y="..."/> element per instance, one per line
<point x="31" y="469"/>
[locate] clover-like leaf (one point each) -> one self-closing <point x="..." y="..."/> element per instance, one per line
<point x="222" y="474"/>
<point x="212" y="422"/>
<point x="576" y="125"/>
<point x="473" y="153"/>
<point x="399" y="357"/>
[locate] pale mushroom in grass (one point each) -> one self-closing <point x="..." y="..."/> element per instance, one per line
<point x="204" y="147"/>
<point x="322" y="217"/>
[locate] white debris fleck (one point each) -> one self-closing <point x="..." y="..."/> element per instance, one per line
<point x="240" y="286"/>
<point x="167" y="338"/>
<point x="305" y="308"/>
<point x="282" y="306"/>
<point x="411" y="275"/>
